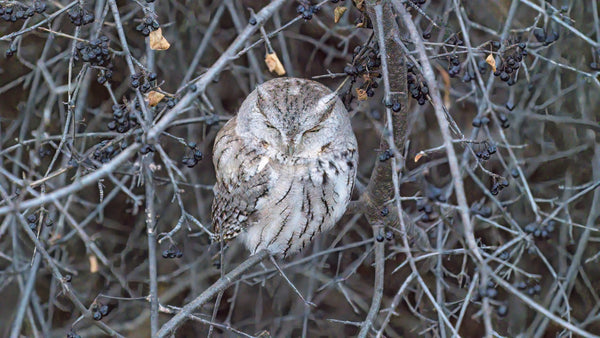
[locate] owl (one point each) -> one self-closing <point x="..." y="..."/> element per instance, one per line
<point x="285" y="167"/>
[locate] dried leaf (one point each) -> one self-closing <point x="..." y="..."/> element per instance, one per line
<point x="419" y="155"/>
<point x="362" y="23"/>
<point x="360" y="4"/>
<point x="93" y="264"/>
<point x="274" y="64"/>
<point x="158" y="41"/>
<point x="154" y="98"/>
<point x="491" y="61"/>
<point x="361" y="94"/>
<point x="447" y="85"/>
<point x="338" y="12"/>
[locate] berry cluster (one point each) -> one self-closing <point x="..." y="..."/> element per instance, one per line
<point x="482" y="210"/>
<point x="427" y="210"/>
<point x="80" y="16"/>
<point x="147" y="25"/>
<point x="394" y="105"/>
<point x="418" y="89"/>
<point x="468" y="75"/>
<point x="531" y="290"/>
<point x="95" y="52"/>
<point x="32" y="220"/>
<point x="172" y="252"/>
<point x="503" y="121"/>
<point x="143" y="81"/>
<point x="99" y="311"/>
<point x="507" y="71"/>
<point x="105" y="152"/>
<point x="193" y="156"/>
<point x="490" y="291"/>
<point x="365" y="65"/>
<point x="434" y="193"/>
<point x="307" y="10"/>
<point x="389" y="235"/>
<point x="43" y="152"/>
<point x="544" y="37"/>
<point x="105" y="74"/>
<point x="12" y="13"/>
<point x="123" y="118"/>
<point x="498" y="186"/>
<point x="454" y="66"/>
<point x="478" y="122"/>
<point x="386" y="155"/>
<point x="540" y="231"/>
<point x="488" y="150"/>
<point x="171" y="102"/>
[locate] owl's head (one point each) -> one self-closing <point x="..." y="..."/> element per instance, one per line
<point x="298" y="117"/>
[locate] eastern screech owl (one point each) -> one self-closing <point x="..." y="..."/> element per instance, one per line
<point x="285" y="167"/>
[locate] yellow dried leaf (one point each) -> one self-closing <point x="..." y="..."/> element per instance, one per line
<point x="338" y="12"/>
<point x="154" y="98"/>
<point x="93" y="264"/>
<point x="361" y="24"/>
<point x="447" y="85"/>
<point x="491" y="61"/>
<point x="158" y="41"/>
<point x="419" y="156"/>
<point x="360" y="4"/>
<point x="274" y="65"/>
<point x="361" y="94"/>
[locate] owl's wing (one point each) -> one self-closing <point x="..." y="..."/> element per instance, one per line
<point x="242" y="179"/>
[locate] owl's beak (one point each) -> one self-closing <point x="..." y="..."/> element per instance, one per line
<point x="291" y="149"/>
<point x="292" y="144"/>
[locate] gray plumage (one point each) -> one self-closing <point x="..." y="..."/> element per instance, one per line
<point x="285" y="166"/>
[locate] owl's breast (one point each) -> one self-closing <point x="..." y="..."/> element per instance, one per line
<point x="305" y="198"/>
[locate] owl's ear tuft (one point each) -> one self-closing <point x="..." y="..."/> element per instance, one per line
<point x="327" y="102"/>
<point x="262" y="97"/>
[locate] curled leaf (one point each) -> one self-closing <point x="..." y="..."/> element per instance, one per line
<point x="360" y="4"/>
<point x="158" y="41"/>
<point x="154" y="98"/>
<point x="361" y="94"/>
<point x="338" y="12"/>
<point x="491" y="61"/>
<point x="274" y="65"/>
<point x="93" y="264"/>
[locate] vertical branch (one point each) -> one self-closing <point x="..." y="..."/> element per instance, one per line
<point x="150" y="190"/>
<point x="380" y="189"/>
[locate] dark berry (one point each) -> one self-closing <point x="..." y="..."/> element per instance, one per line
<point x="539" y="34"/>
<point x="510" y="105"/>
<point x="502" y="310"/>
